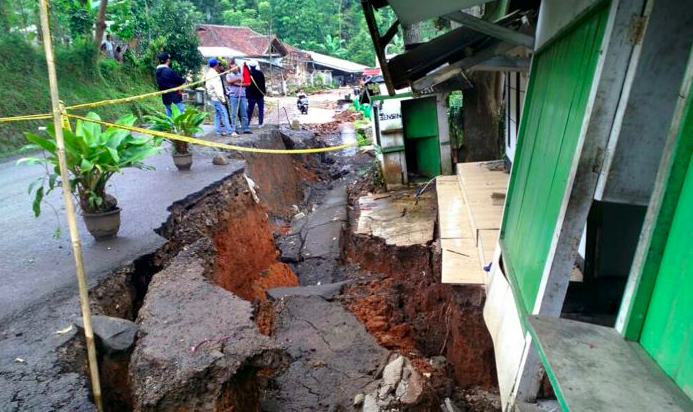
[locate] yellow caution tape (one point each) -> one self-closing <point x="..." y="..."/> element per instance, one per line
<point x="43" y="116"/>
<point x="141" y="96"/>
<point x="25" y="118"/>
<point x="212" y="144"/>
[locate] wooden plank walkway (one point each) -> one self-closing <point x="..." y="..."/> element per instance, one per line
<point x="470" y="208"/>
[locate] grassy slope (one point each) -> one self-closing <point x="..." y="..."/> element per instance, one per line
<point x="24" y="81"/>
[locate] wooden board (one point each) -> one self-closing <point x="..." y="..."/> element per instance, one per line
<point x="453" y="219"/>
<point x="593" y="369"/>
<point x="478" y="184"/>
<point x="488" y="239"/>
<point x="461" y="262"/>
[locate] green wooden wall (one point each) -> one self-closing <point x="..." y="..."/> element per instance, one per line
<point x="667" y="332"/>
<point x="560" y="81"/>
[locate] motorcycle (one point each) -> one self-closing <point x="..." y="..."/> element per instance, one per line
<point x="302" y="103"/>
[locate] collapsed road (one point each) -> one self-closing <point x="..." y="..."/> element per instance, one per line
<point x="266" y="296"/>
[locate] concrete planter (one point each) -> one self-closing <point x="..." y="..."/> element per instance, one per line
<point x="103" y="225"/>
<point x="182" y="161"/>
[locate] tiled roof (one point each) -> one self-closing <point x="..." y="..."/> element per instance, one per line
<point x="243" y="39"/>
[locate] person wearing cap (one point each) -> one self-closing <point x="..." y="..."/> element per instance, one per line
<point x="255" y="93"/>
<point x="239" y="105"/>
<point x="166" y="78"/>
<point x="215" y="92"/>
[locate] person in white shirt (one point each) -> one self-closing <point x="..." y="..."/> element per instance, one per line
<point x="215" y="92"/>
<point x="107" y="47"/>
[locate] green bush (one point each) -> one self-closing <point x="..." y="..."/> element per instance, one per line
<point x="82" y="78"/>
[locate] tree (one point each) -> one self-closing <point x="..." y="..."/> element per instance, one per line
<point x="482" y="107"/>
<point x="100" y="22"/>
<point x="172" y="31"/>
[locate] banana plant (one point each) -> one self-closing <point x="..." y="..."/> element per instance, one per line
<point x="185" y="123"/>
<point x="93" y="156"/>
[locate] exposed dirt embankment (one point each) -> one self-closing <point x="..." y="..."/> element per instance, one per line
<point x="280" y="179"/>
<point x="246" y="258"/>
<point x="407" y="308"/>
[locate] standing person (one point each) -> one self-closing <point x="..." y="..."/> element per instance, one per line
<point x="166" y="78"/>
<point x="107" y="46"/>
<point x="255" y="93"/>
<point x="215" y="91"/>
<point x="239" y="104"/>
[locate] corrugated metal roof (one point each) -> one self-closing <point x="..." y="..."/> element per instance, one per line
<point x="413" y="11"/>
<point x="336" y="63"/>
<point x="209" y="52"/>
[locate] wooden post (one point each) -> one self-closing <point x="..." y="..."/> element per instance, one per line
<point x="69" y="206"/>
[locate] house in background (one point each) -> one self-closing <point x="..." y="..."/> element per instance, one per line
<point x="281" y="63"/>
<point x="334" y="70"/>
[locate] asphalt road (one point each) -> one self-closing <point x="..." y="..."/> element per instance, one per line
<point x="34" y="265"/>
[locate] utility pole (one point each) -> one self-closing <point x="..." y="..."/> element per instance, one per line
<point x="69" y="205"/>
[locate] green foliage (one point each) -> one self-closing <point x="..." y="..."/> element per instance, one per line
<point x="25" y="85"/>
<point x="160" y="25"/>
<point x="456" y="119"/>
<point x="185" y="123"/>
<point x="93" y="156"/>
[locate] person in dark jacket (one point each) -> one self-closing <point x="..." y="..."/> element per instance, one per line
<point x="255" y="93"/>
<point x="168" y="79"/>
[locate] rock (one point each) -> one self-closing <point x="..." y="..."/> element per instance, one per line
<point x="393" y="372"/>
<point x="114" y="334"/>
<point x="220" y="160"/>
<point x="186" y="323"/>
<point x="298" y="216"/>
<point x="370" y="404"/>
<point x="438" y="362"/>
<point x="414" y="390"/>
<point x="358" y="399"/>
<point x="448" y="406"/>
<point x="295" y="124"/>
<point x="326" y="292"/>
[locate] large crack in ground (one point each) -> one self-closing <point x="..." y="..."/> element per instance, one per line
<point x="350" y="324"/>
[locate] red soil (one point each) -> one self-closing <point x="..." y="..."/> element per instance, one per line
<point x="247" y="262"/>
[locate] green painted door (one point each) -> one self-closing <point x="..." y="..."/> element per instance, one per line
<point x="560" y="81"/>
<point x="420" y="121"/>
<point x="667" y="333"/>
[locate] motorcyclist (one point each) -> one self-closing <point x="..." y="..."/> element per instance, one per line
<point x="302" y="101"/>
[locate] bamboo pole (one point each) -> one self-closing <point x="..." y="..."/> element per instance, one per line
<point x="69" y="205"/>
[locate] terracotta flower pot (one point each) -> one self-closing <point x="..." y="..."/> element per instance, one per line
<point x="102" y="225"/>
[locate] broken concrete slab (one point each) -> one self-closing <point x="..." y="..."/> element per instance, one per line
<point x="190" y="328"/>
<point x="290" y="248"/>
<point x="114" y="335"/>
<point x="336" y="197"/>
<point x="326" y="214"/>
<point x="323" y="241"/>
<point x="316" y="271"/>
<point x="334" y="357"/>
<point x="327" y="291"/>
<point x="399" y="218"/>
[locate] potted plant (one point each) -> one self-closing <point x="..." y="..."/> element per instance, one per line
<point x="93" y="157"/>
<point x="185" y="123"/>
